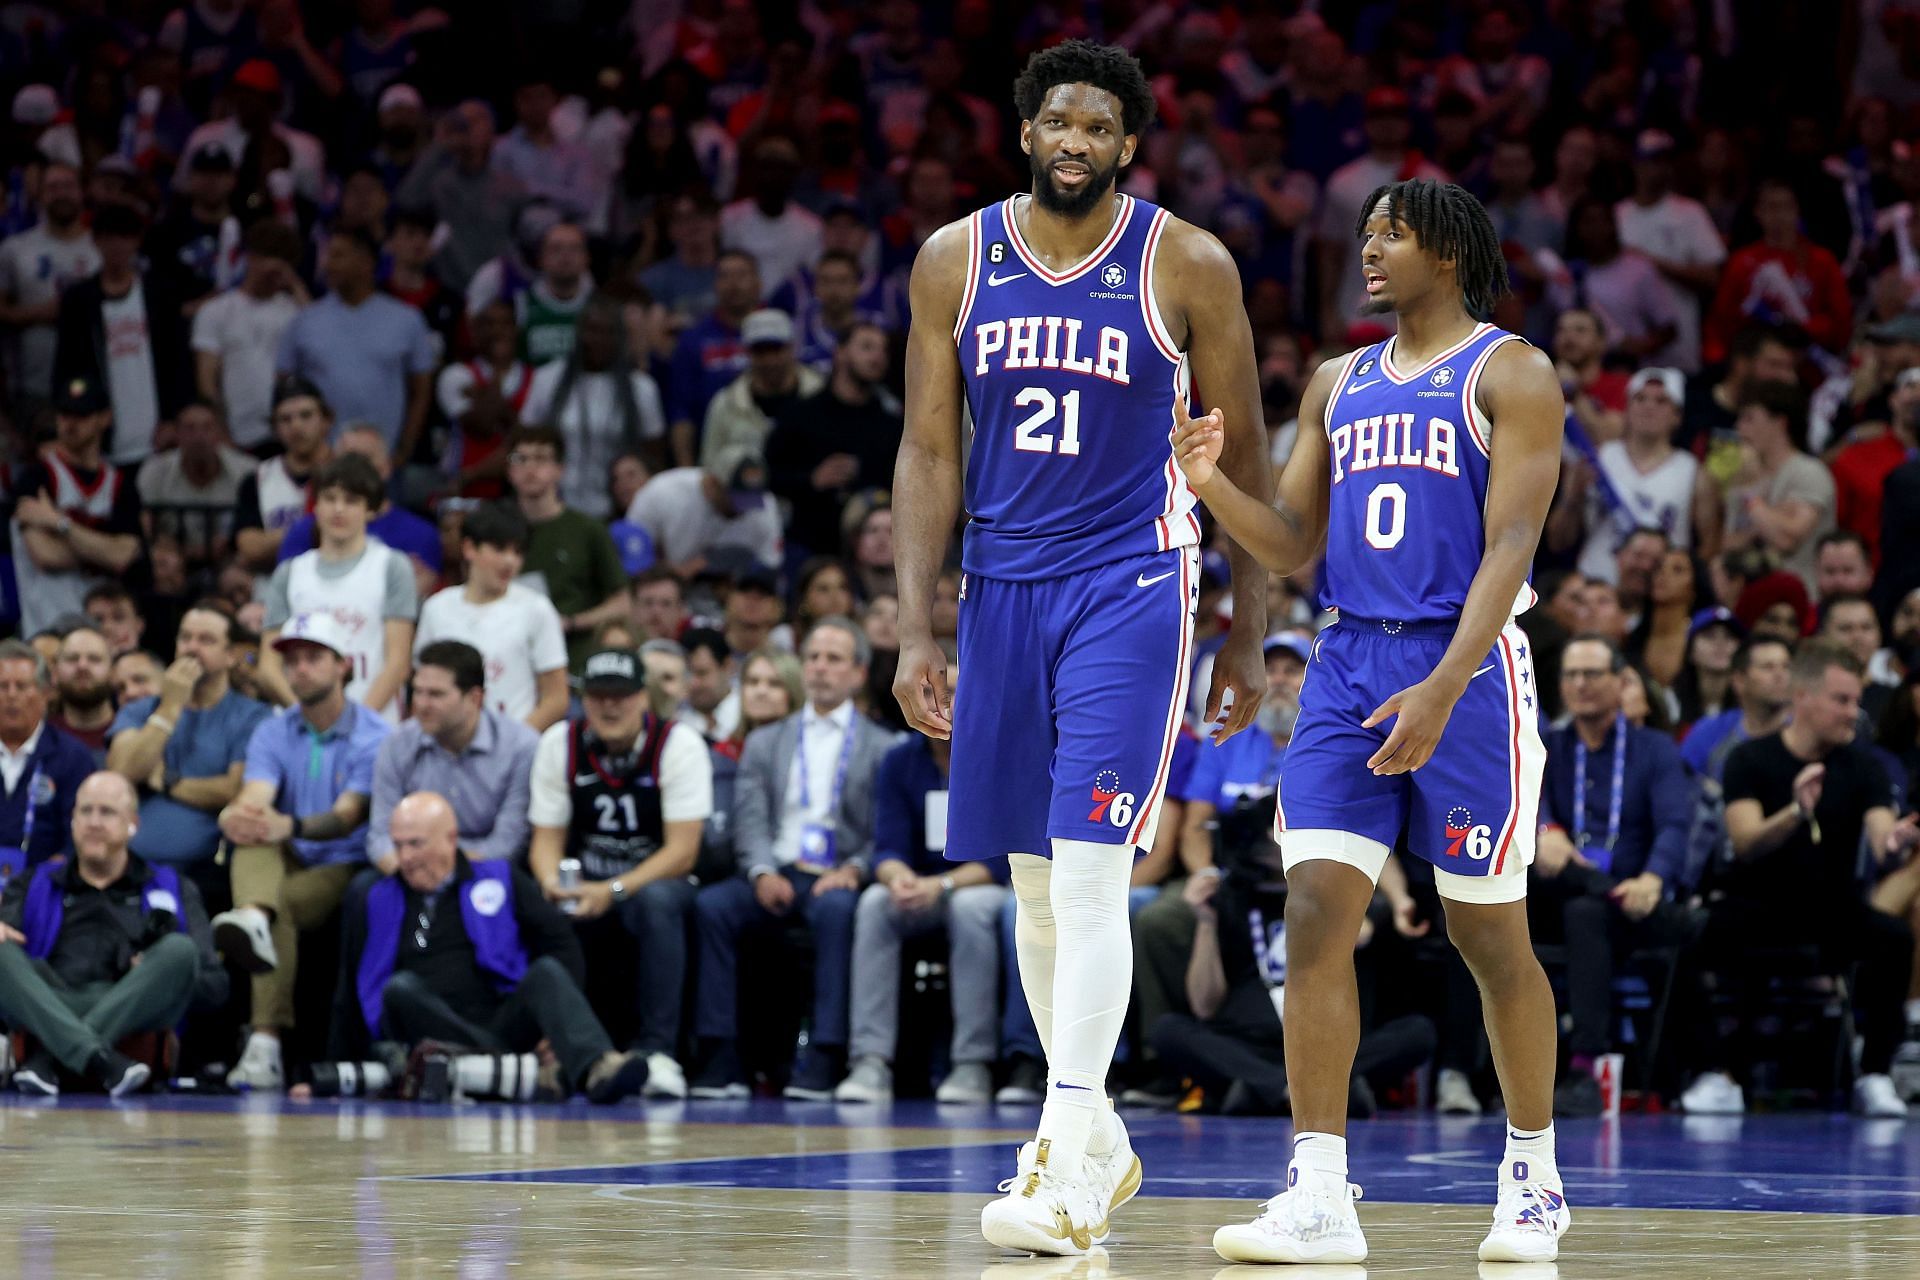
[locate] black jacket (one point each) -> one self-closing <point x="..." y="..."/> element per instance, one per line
<point x="81" y="349"/>
<point x="101" y="930"/>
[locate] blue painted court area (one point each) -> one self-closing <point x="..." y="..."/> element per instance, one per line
<point x="1791" y="1164"/>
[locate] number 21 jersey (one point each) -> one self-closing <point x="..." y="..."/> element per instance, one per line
<point x="1070" y="377"/>
<point x="1409" y="448"/>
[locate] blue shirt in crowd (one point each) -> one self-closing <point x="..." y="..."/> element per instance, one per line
<point x="707" y="357"/>
<point x="1245" y="767"/>
<point x="1711" y="741"/>
<point x="1656" y="801"/>
<point x="399" y="528"/>
<point x="311" y="770"/>
<point x="360" y="357"/>
<point x="907" y="774"/>
<point x="206" y="743"/>
<point x="54" y="770"/>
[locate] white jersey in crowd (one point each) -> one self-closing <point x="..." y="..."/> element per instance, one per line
<point x="519" y="635"/>
<point x="1659" y="499"/>
<point x="356" y="602"/>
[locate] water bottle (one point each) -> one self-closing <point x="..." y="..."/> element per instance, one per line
<point x="567" y="876"/>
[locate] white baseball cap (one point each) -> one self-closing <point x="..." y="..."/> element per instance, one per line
<point x="1672" y="381"/>
<point x="313" y="628"/>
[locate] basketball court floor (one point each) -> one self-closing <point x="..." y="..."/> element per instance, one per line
<point x="210" y="1187"/>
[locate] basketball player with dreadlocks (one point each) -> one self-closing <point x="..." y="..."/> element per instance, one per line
<point x="1068" y="321"/>
<point x="1427" y="462"/>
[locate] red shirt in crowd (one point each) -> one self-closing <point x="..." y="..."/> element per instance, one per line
<point x="1860" y="474"/>
<point x="1816" y="279"/>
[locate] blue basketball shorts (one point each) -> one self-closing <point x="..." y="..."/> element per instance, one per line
<point x="1067" y="705"/>
<point x="1472" y="810"/>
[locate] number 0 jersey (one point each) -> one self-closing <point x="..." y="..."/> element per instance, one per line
<point x="1406" y="523"/>
<point x="1071" y="379"/>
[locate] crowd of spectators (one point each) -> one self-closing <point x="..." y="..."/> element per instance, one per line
<point x="451" y="448"/>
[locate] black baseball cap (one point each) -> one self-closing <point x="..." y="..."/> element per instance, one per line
<point x="81" y="398"/>
<point x="615" y="671"/>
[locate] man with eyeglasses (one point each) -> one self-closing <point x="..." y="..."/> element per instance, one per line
<point x="1615" y="807"/>
<point x="570" y="556"/>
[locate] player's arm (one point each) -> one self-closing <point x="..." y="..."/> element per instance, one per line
<point x="926" y="477"/>
<point x="1521" y="393"/>
<point x="1286" y="533"/>
<point x="1196" y="275"/>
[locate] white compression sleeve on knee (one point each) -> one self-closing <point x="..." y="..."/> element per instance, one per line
<point x="1093" y="974"/>
<point x="1034" y="938"/>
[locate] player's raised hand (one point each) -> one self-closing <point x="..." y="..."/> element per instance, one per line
<point x="1197" y="442"/>
<point x="920" y="686"/>
<point x="1422" y="712"/>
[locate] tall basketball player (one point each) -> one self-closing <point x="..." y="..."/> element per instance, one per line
<point x="1068" y="321"/>
<point x="1427" y="462"/>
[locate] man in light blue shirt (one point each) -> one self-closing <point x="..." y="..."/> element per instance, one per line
<point x="370" y="354"/>
<point x="459" y="748"/>
<point x="186" y="748"/>
<point x="298" y="828"/>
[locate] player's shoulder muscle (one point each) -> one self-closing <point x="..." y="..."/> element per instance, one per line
<point x="1521" y="388"/>
<point x="940" y="275"/>
<point x="1193" y="274"/>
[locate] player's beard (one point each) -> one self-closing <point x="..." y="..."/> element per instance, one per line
<point x="1073" y="203"/>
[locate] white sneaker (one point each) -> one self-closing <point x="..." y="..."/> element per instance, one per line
<point x="665" y="1079"/>
<point x="259" y="1067"/>
<point x="968" y="1083"/>
<point x="1117" y="1172"/>
<point x="245" y="936"/>
<point x="1045" y="1212"/>
<point x="1906" y="1069"/>
<point x="1310" y="1221"/>
<point x="1714" y="1094"/>
<point x="871" y="1080"/>
<point x="1453" y="1094"/>
<point x="1528" y="1221"/>
<point x="1874" y="1095"/>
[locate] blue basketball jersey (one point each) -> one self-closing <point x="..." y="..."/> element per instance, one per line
<point x="1071" y="378"/>
<point x="1406" y="525"/>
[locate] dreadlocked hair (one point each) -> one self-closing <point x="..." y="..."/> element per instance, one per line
<point x="1449" y="224"/>
<point x="1104" y="66"/>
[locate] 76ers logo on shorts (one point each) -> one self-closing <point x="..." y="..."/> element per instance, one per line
<point x="1110" y="803"/>
<point x="1461" y="831"/>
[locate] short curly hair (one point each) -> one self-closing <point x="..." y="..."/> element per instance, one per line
<point x="1104" y="66"/>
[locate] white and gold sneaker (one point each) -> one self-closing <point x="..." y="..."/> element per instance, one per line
<point x="1047" y="1212"/>
<point x="1117" y="1172"/>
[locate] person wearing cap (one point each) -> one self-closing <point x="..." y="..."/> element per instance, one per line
<point x="1704" y="688"/>
<point x="400" y="120"/>
<point x="515" y="628"/>
<point x="775" y="382"/>
<point x="459" y="747"/>
<point x="274" y="498"/>
<point x="1677" y="235"/>
<point x="1860" y="470"/>
<point x="366" y="588"/>
<point x="803" y="810"/>
<point x="694" y="513"/>
<point x="1781" y="277"/>
<point x="628" y="794"/>
<point x="256" y="90"/>
<point x="99" y="947"/>
<point x="710" y="353"/>
<point x="466" y="952"/>
<point x="1637" y="481"/>
<point x="838" y="441"/>
<point x="145" y="371"/>
<point x="369" y="353"/>
<point x="236" y="334"/>
<point x="76" y="517"/>
<point x="569" y="554"/>
<point x="1615" y="810"/>
<point x="36" y="266"/>
<point x="601" y="400"/>
<point x="1783" y="498"/>
<point x="1387" y="159"/>
<point x="199" y="238"/>
<point x="185" y="746"/>
<point x="297" y="828"/>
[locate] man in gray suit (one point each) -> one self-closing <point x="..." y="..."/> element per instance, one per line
<point x="803" y="828"/>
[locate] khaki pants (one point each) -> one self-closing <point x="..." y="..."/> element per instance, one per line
<point x="299" y="897"/>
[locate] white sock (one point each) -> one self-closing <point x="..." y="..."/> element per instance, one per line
<point x="1093" y="976"/>
<point x="1529" y="1156"/>
<point x="269" y="1045"/>
<point x="1034" y="938"/>
<point x="1913" y="1012"/>
<point x="1321" y="1157"/>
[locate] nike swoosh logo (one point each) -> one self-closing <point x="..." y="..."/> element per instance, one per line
<point x="1144" y="581"/>
<point x="993" y="279"/>
<point x="1482" y="671"/>
<point x="1362" y="386"/>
